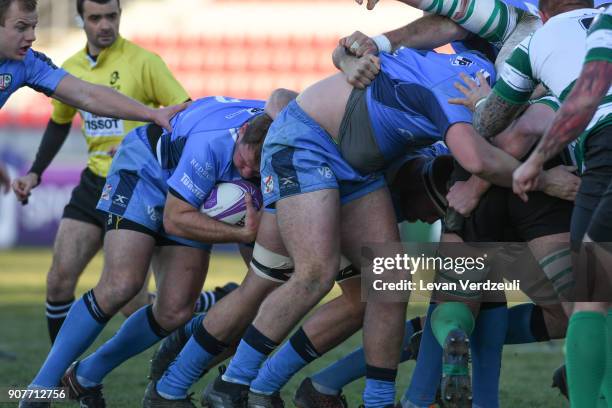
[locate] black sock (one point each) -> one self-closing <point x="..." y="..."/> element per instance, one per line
<point x="56" y="314"/>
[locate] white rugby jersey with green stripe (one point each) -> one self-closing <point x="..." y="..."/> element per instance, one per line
<point x="599" y="39"/>
<point x="492" y="20"/>
<point x="554" y="56"/>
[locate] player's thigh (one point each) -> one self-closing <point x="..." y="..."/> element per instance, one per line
<point x="309" y="225"/>
<point x="75" y="244"/>
<point x="369" y="219"/>
<point x="183" y="270"/>
<point x="127" y="254"/>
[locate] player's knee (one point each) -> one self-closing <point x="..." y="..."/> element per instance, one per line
<point x="316" y="278"/>
<point x="117" y="293"/>
<point x="61" y="282"/>
<point x="172" y="316"/>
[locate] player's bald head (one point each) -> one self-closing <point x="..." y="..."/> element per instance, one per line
<point x="554" y="7"/>
<point x="24" y="5"/>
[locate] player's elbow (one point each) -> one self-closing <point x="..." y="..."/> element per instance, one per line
<point x="172" y="222"/>
<point x="475" y="166"/>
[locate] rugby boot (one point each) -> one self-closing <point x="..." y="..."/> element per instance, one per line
<point x="225" y="394"/>
<point x="257" y="400"/>
<point x="167" y="352"/>
<point x="222" y="291"/>
<point x="456" y="387"/>
<point x="559" y="380"/>
<point x="414" y="345"/>
<point x="88" y="397"/>
<point x="307" y="396"/>
<point x="152" y="399"/>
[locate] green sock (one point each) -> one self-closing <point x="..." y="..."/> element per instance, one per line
<point x="606" y="386"/>
<point x="449" y="316"/>
<point x="586" y="348"/>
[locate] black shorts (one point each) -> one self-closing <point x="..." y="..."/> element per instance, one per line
<point x="501" y="216"/>
<point x="114" y="222"/>
<point x="593" y="212"/>
<point x="84" y="199"/>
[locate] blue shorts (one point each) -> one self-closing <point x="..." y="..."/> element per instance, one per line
<point x="300" y="157"/>
<point x="136" y="188"/>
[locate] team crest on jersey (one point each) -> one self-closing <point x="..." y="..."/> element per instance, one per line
<point x="5" y="81"/>
<point x="461" y="61"/>
<point x="106" y="192"/>
<point x="268" y="185"/>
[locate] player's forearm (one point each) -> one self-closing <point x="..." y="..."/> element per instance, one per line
<point x="105" y="101"/>
<point x="52" y="141"/>
<point x="199" y="227"/>
<point x="427" y="32"/>
<point x="100" y="100"/>
<point x="577" y="111"/>
<point x="493" y="115"/>
<point x="518" y="138"/>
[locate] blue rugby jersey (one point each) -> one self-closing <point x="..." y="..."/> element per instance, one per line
<point x="408" y="100"/>
<point x="36" y="71"/>
<point x="198" y="153"/>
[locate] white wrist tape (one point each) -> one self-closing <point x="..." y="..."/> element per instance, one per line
<point x="382" y="42"/>
<point x="480" y="102"/>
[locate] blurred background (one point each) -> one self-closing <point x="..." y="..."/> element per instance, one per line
<point x="239" y="48"/>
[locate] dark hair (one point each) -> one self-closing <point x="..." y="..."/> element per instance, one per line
<point x="257" y="130"/>
<point x="79" y="4"/>
<point x="554" y="7"/>
<point x="24" y="5"/>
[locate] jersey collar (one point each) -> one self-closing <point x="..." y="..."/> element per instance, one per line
<point x="105" y="53"/>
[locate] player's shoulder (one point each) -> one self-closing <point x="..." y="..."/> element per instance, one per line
<point x="33" y="56"/>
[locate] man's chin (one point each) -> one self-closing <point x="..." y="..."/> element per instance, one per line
<point x="105" y="43"/>
<point x="18" y="56"/>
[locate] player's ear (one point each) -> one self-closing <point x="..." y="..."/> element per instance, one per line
<point x="242" y="131"/>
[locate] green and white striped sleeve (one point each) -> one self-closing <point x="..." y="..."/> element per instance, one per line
<point x="516" y="82"/>
<point x="599" y="39"/>
<point x="492" y="20"/>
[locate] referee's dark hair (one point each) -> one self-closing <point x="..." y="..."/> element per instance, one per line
<point x="79" y="4"/>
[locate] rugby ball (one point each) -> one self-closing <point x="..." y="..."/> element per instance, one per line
<point x="226" y="201"/>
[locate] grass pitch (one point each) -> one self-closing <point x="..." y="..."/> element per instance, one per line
<point x="526" y="372"/>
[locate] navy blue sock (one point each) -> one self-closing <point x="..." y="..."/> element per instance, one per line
<point x="201" y="348"/>
<point x="205" y="301"/>
<point x="291" y="358"/>
<point x="380" y="387"/>
<point x="139" y="332"/>
<point x="83" y="324"/>
<point x="333" y="378"/>
<point x="526" y="324"/>
<point x="487" y="343"/>
<point x="251" y="353"/>
<point x="428" y="371"/>
<point x="192" y="325"/>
